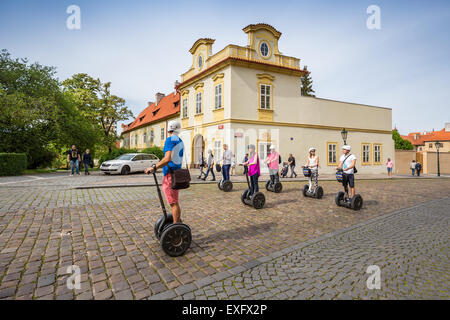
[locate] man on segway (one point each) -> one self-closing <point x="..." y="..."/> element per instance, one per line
<point x="347" y="164"/>
<point x="173" y="150"/>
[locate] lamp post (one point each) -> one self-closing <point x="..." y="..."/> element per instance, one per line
<point x="344" y="135"/>
<point x="438" y="145"/>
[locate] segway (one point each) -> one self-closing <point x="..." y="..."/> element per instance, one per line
<point x="274" y="186"/>
<point x="354" y="203"/>
<point x="317" y="193"/>
<point x="227" y="185"/>
<point x="175" y="238"/>
<point x="257" y="200"/>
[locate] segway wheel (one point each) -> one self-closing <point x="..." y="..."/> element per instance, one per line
<point x="340" y="198"/>
<point x="319" y="192"/>
<point x="159" y="221"/>
<point x="258" y="200"/>
<point x="219" y="184"/>
<point x="244" y="196"/>
<point x="176" y="239"/>
<point x="227" y="186"/>
<point x="305" y="190"/>
<point x="357" y="202"/>
<point x="267" y="185"/>
<point x="278" y="187"/>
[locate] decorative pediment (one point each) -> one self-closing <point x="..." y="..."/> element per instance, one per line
<point x="265" y="76"/>
<point x="199" y="85"/>
<point x="218" y="77"/>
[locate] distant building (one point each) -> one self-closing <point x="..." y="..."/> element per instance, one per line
<point x="425" y="141"/>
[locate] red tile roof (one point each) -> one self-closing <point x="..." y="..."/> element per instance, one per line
<point x="168" y="106"/>
<point x="441" y="135"/>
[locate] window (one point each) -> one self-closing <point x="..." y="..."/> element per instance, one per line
<point x="162" y="133"/>
<point x="145" y="138"/>
<point x="218" y="96"/>
<point x="265" y="96"/>
<point x="264" y="49"/>
<point x="430" y="146"/>
<point x="332" y="153"/>
<point x="200" y="62"/>
<point x="366" y="153"/>
<point x="198" y="103"/>
<point x="263" y="150"/>
<point x="135" y="140"/>
<point x="377" y="153"/>
<point x="185" y="102"/>
<point x="217" y="150"/>
<point x="152" y="136"/>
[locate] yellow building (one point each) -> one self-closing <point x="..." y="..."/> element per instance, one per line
<point x="251" y="94"/>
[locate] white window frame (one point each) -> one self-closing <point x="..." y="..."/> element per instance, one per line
<point x="152" y="136"/>
<point x="218" y="96"/>
<point x="377" y="153"/>
<point x="217" y="150"/>
<point x="332" y="153"/>
<point x="185" y="107"/>
<point x="366" y="153"/>
<point x="198" y="103"/>
<point x="264" y="98"/>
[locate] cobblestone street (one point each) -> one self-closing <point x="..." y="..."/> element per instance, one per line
<point x="47" y="225"/>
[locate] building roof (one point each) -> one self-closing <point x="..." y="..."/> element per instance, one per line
<point x="419" y="138"/>
<point x="168" y="106"/>
<point x="265" y="26"/>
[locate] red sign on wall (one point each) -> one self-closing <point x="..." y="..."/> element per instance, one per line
<point x="220" y="126"/>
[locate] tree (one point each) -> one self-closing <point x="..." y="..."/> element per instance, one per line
<point x="401" y="143"/>
<point x="95" y="101"/>
<point x="306" y="84"/>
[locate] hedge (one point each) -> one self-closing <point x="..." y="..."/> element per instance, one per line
<point x="157" y="151"/>
<point x="12" y="164"/>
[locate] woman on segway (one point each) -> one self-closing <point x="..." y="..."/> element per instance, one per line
<point x="253" y="169"/>
<point x="273" y="162"/>
<point x="313" y="164"/>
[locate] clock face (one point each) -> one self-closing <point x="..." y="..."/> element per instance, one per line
<point x="264" y="49"/>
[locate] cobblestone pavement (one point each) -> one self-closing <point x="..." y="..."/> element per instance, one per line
<point x="46" y="226"/>
<point x="411" y="248"/>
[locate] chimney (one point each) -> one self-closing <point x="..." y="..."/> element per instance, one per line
<point x="158" y="97"/>
<point x="149" y="103"/>
<point x="177" y="83"/>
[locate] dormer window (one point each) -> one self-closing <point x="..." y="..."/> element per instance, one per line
<point x="200" y="62"/>
<point x="264" y="49"/>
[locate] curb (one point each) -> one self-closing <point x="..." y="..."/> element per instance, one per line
<point x="198" y="284"/>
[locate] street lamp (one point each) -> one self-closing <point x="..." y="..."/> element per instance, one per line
<point x="438" y="145"/>
<point x="344" y="135"/>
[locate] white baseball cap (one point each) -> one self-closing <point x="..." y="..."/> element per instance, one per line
<point x="346" y="147"/>
<point x="174" y="126"/>
<point x="272" y="147"/>
<point x="312" y="148"/>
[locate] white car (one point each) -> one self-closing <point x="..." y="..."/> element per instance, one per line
<point x="129" y="162"/>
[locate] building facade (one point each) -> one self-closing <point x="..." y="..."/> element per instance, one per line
<point x="426" y="141"/>
<point x="252" y="95"/>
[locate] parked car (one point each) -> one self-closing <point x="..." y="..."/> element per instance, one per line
<point x="129" y="162"/>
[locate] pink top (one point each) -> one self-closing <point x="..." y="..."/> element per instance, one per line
<point x="254" y="168"/>
<point x="275" y="164"/>
<point x="390" y="164"/>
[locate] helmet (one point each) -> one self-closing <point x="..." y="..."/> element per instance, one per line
<point x="272" y="147"/>
<point x="251" y="146"/>
<point x="173" y="126"/>
<point x="347" y="147"/>
<point x="312" y="148"/>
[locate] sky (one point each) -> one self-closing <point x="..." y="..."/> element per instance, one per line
<point x="142" y="47"/>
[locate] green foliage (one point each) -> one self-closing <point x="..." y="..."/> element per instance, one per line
<point x="400" y="143"/>
<point x="12" y="164"/>
<point x="306" y="84"/>
<point x="157" y="151"/>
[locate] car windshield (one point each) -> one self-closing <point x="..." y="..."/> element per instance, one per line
<point x="125" y="157"/>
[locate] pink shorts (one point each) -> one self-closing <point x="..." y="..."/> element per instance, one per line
<point x="171" y="194"/>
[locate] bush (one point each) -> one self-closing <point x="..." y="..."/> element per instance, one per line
<point x="157" y="151"/>
<point x="12" y="164"/>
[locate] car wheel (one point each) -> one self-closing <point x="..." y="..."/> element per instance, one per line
<point x="125" y="170"/>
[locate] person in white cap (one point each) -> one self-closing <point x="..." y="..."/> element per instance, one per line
<point x="313" y="164"/>
<point x="347" y="164"/>
<point x="273" y="161"/>
<point x="172" y="160"/>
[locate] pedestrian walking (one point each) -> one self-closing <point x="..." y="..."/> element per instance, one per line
<point x="291" y="162"/>
<point x="74" y="158"/>
<point x="413" y="167"/>
<point x="87" y="161"/>
<point x="389" y="166"/>
<point x="418" y="168"/>
<point x="210" y="167"/>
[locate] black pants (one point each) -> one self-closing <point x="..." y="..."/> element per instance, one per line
<point x="274" y="178"/>
<point x="254" y="184"/>
<point x="348" y="179"/>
